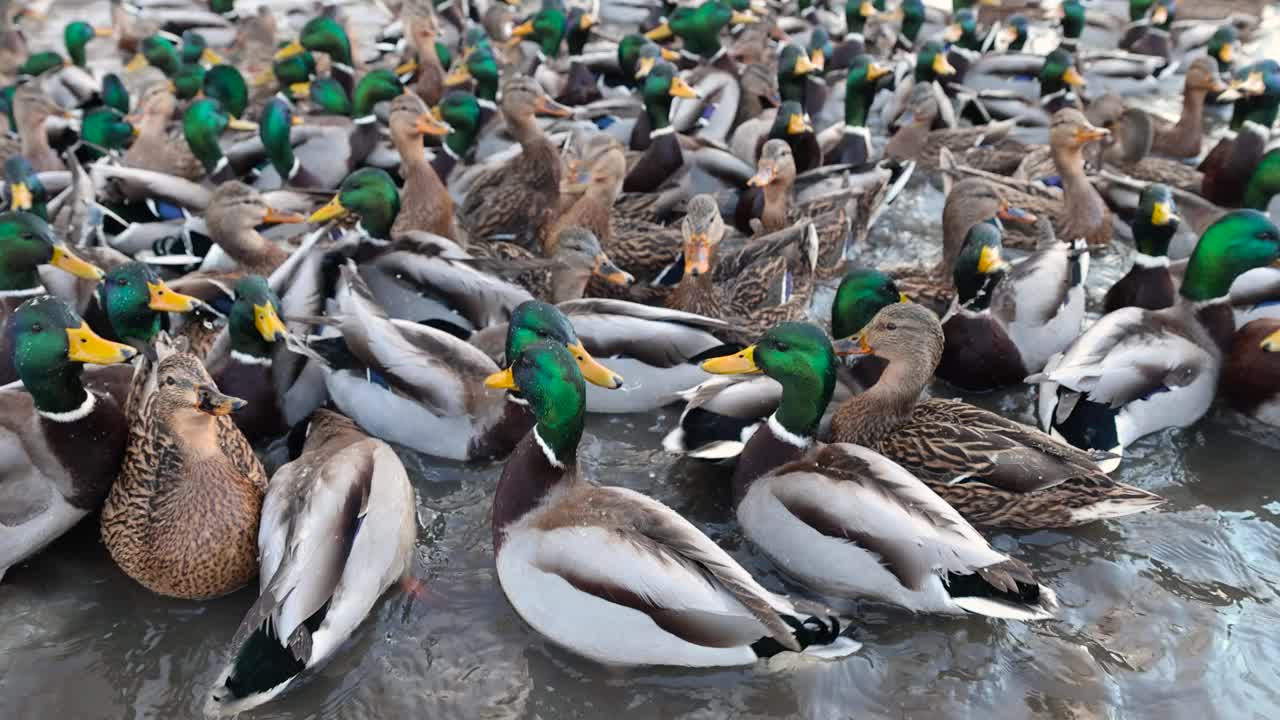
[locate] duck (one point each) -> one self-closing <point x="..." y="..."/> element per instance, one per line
<point x="721" y="413"/>
<point x="662" y="156"/>
<point x="255" y="332"/>
<point x="1251" y="371"/>
<point x="337" y="531"/>
<point x="184" y="459"/>
<point x="481" y="67"/>
<point x="325" y="34"/>
<point x="833" y="516"/>
<point x="1060" y="82"/>
<point x="31" y="109"/>
<point x="132" y="301"/>
<point x="462" y="112"/>
<point x="1148" y="284"/>
<point x="698" y="28"/>
<point x="439" y="388"/>
<point x="232" y="217"/>
<point x="515" y="201"/>
<point x="575" y="260"/>
<point x="1138" y="371"/>
<point x="917" y="141"/>
<point x="26" y="243"/>
<point x="337" y="149"/>
<point x="617" y="559"/>
<point x="421" y="31"/>
<point x="741" y="293"/>
<point x="104" y="131"/>
<point x="1006" y="321"/>
<point x="993" y="471"/>
<point x="425" y="202"/>
<point x="852" y="143"/>
<point x="155" y="147"/>
<point x="69" y="438"/>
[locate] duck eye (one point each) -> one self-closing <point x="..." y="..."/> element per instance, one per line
<point x="780" y="346"/>
<point x="170" y="381"/>
<point x="891" y="326"/>
<point x="36" y="327"/>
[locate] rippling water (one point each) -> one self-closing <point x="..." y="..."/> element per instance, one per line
<point x="1170" y="614"/>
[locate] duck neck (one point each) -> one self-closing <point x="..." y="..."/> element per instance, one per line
<point x="774" y="217"/>
<point x="871" y="416"/>
<point x="1216" y="318"/>
<point x="1190" y="125"/>
<point x="857" y="102"/>
<point x="458" y="143"/>
<point x="35" y="143"/>
<point x="659" y="112"/>
<point x="59" y="395"/>
<point x="545" y="459"/>
<point x="1075" y="184"/>
<point x="18" y="278"/>
<point x="198" y="431"/>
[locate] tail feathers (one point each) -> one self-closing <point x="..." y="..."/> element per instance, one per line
<point x="817" y="637"/>
<point x="1003" y="609"/>
<point x="1004" y="590"/>
<point x="1121" y="500"/>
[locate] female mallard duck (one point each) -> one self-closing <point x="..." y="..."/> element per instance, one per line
<point x="1006" y="322"/>
<point x="1251" y="371"/>
<point x="662" y="156"/>
<point x="722" y="412"/>
<point x="26" y="243"/>
<point x="641" y="581"/>
<point x="916" y="139"/>
<point x="425" y="202"/>
<point x="421" y="31"/>
<point x="850" y="143"/>
<point x="31" y="108"/>
<point x="417" y="386"/>
<point x="832" y="516"/>
<point x="336" y="149"/>
<point x="234" y="213"/>
<point x="995" y="472"/>
<point x="1137" y="371"/>
<point x="254" y="332"/>
<point x="1183" y="139"/>
<point x="69" y="439"/>
<point x="742" y="294"/>
<point x="516" y="201"/>
<point x="337" y="530"/>
<point x="182" y="517"/>
<point x="576" y="258"/>
<point x="1148" y="284"/>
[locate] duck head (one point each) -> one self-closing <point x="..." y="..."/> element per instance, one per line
<point x="225" y="84"/>
<point x="702" y="229"/>
<point x="963" y="30"/>
<point x="1238" y="242"/>
<point x="321" y="34"/>
<point x="1016" y="32"/>
<point x="1222" y="47"/>
<point x="907" y="335"/>
<point x="375" y="87"/>
<point x="861" y="85"/>
<point x="114" y="93"/>
<point x="274" y="126"/>
<point x="135" y="299"/>
<point x="106" y="128"/>
<point x="862" y="293"/>
<point x="27" y="242"/>
<point x="794" y="68"/>
<point x="26" y="192"/>
<point x="159" y="53"/>
<point x="979" y="266"/>
<point x="659" y="87"/>
<point x="480" y="66"/>
<point x="858" y="12"/>
<point x="931" y="63"/>
<point x="186" y="400"/>
<point x="461" y="112"/>
<point x="1059" y="73"/>
<point x="820" y="48"/>
<point x="776" y="167"/>
<point x="546" y="377"/>
<point x="254" y="322"/>
<point x="371" y="195"/>
<point x="1264" y="183"/>
<point x="637" y="55"/>
<point x="1156" y="220"/>
<point x="533" y="322"/>
<point x="50" y="346"/>
<point x="76" y="35"/>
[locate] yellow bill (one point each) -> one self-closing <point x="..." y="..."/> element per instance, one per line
<point x="268" y="323"/>
<point x="20" y="197"/>
<point x="163" y="298"/>
<point x="592" y="371"/>
<point x="64" y="259"/>
<point x="288" y="51"/>
<point x="989" y="260"/>
<point x="86" y="346"/>
<point x="332" y="209"/>
<point x="501" y="380"/>
<point x="741" y="363"/>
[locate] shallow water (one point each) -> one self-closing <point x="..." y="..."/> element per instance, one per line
<point x="1170" y="614"/>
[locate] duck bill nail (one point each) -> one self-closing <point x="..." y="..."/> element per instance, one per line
<point x="277" y="217"/>
<point x="212" y="402"/>
<point x="612" y="273"/>
<point x="592" y="371"/>
<point x="682" y="89"/>
<point x="855" y="345"/>
<point x="288" y="51"/>
<point x="740" y="363"/>
<point x="20" y="197"/>
<point x="1271" y="343"/>
<point x="333" y="209"/>
<point x="64" y="259"/>
<point x="547" y="106"/>
<point x="268" y="323"/>
<point x="86" y="346"/>
<point x="162" y="298"/>
<point x="501" y="380"/>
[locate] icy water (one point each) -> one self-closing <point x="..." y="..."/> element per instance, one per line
<point x="1171" y="614"/>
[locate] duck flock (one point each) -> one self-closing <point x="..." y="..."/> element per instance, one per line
<point x="248" y="226"/>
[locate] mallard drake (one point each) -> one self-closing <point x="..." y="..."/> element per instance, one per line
<point x="1231" y="166"/>
<point x="1137" y="371"/>
<point x="794" y="80"/>
<point x="1251" y="371"/>
<point x="26" y="243"/>
<point x="847" y="505"/>
<point x="481" y="67"/>
<point x="850" y="143"/>
<point x="738" y="294"/>
<point x="721" y="413"/>
<point x="325" y="34"/>
<point x="1148" y="284"/>
<point x="155" y="147"/>
<point x="132" y="300"/>
<point x="662" y="156"/>
<point x="517" y="200"/>
<point x="69" y="439"/>
<point x="619" y="560"/>
<point x="698" y="28"/>
<point x="994" y="471"/>
<point x="1007" y="321"/>
<point x="182" y="517"/>
<point x="370" y="381"/>
<point x="462" y="112"/>
<point x="336" y="149"/>
<point x="1059" y="84"/>
<point x="338" y="528"/>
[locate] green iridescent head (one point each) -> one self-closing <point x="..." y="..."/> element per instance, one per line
<point x="931" y="63"/>
<point x="979" y="266"/>
<point x="193" y="46"/>
<point x="860" y="89"/>
<point x="462" y="111"/>
<point x="660" y="85"/>
<point x="1017" y="30"/>
<point x="1138" y="9"/>
<point x="533" y="322"/>
<point x="912" y="19"/>
<point x="202" y="124"/>
<point x="254" y="321"/>
<point x="1264" y="183"/>
<point x="371" y="195"/>
<point x="794" y="68"/>
<point x="799" y="356"/>
<point x="50" y="344"/>
<point x="1238" y="242"/>
<point x="482" y="66"/>
<point x="225" y="8"/>
<point x="325" y="34"/>
<point x="274" y="126"/>
<point x="26" y="192"/>
<point x="443" y="54"/>
<point x="1059" y="72"/>
<point x="225" y="84"/>
<point x="546" y="28"/>
<point x="135" y="300"/>
<point x="1156" y="221"/>
<point x="965" y="23"/>
<point x="862" y="293"/>
<point x="375" y="87"/>
<point x="294" y="69"/>
<point x="161" y="53"/>
<point x="699" y="27"/>
<point x="105" y="128"/>
<point x="1222" y="47"/>
<point x="188" y="81"/>
<point x="1073" y="19"/>
<point x="114" y="93"/>
<point x="76" y="35"/>
<point x="820" y="48"/>
<point x="26" y="243"/>
<point x="330" y="96"/>
<point x="40" y="63"/>
<point x="789" y="122"/>
<point x="547" y="377"/>
<point x="578" y="30"/>
<point x="857" y="12"/>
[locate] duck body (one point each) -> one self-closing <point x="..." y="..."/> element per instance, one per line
<point x="337" y="531"/>
<point x="1251" y="373"/>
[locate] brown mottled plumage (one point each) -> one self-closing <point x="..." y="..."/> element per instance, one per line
<point x="996" y="472"/>
<point x="182" y="518"/>
<point x="424" y="201"/>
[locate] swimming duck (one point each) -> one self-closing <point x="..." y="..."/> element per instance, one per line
<point x="795" y="82"/>
<point x="437" y="391"/>
<point x="481" y="67"/>
<point x="722" y="412"/>
<point x="1007" y="321"/>
<point x="917" y="141"/>
<point x="832" y="516"/>
<point x="1148" y="284"/>
<point x="325" y="34"/>
<point x="698" y="28"/>
<point x="421" y="31"/>
<point x="155" y="147"/>
<point x="31" y="108"/>
<point x="1137" y="371"/>
<point x="619" y="560"/>
<point x="133" y="300"/>
<point x="1251" y="371"/>
<point x="576" y="258"/>
<point x="462" y="112"/>
<point x="69" y="438"/>
<point x="425" y="202"/>
<point x="662" y="156"/>
<point x="254" y="332"/>
<point x="337" y="531"/>
<point x="852" y="145"/>
<point x="516" y="201"/>
<point x="104" y="130"/>
<point x="234" y="213"/>
<point x="993" y="471"/>
<point x="182" y="517"/>
<point x="26" y="243"/>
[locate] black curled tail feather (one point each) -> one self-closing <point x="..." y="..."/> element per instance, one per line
<point x="808" y="632"/>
